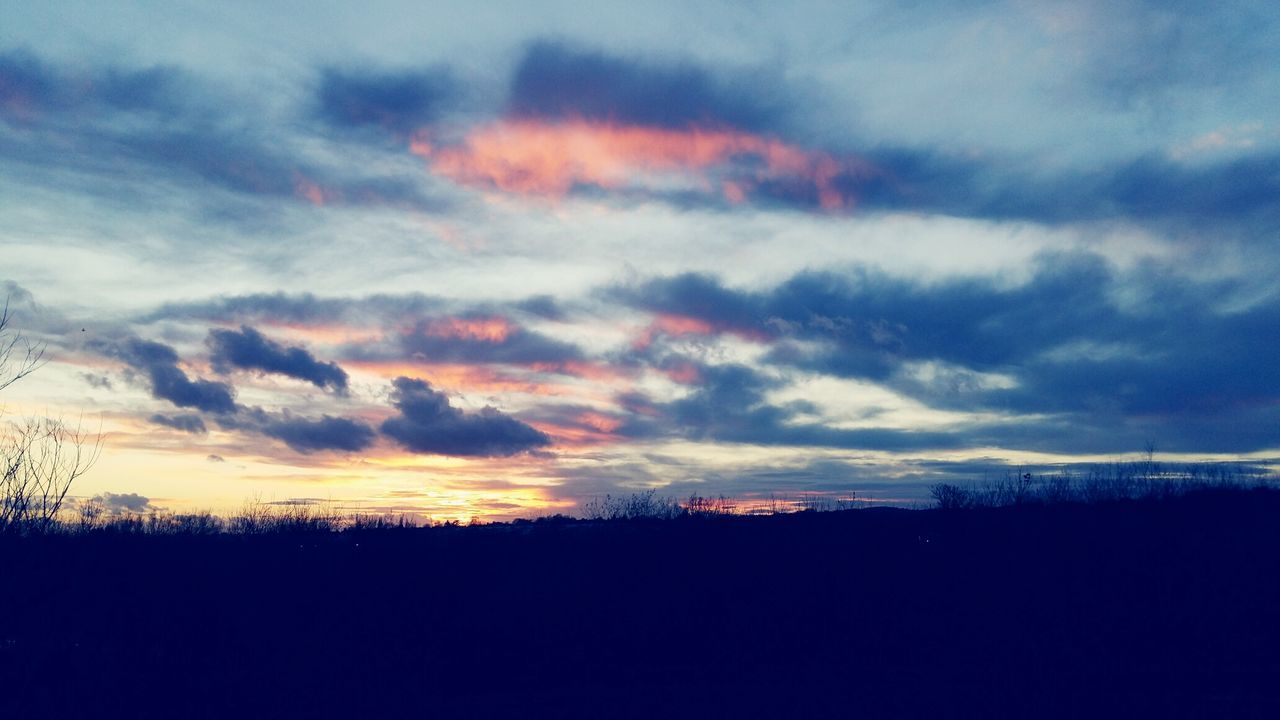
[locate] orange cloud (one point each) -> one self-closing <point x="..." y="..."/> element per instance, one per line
<point x="586" y="370"/>
<point x="683" y="326"/>
<point x="585" y="429"/>
<point x="685" y="373"/>
<point x="549" y="159"/>
<point x="306" y="189"/>
<point x="599" y="421"/>
<point x="490" y="329"/>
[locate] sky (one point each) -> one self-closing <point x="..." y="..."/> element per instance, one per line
<point x="494" y="259"/>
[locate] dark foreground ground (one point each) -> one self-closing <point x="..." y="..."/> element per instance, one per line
<point x="1160" y="609"/>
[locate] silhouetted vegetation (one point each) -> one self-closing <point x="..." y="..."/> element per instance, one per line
<point x="1142" y="480"/>
<point x="1136" y="604"/>
<point x="40" y="458"/>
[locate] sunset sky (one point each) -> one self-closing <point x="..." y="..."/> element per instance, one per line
<point x="492" y="259"/>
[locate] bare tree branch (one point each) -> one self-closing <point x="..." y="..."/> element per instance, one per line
<point x="40" y="458"/>
<point x="19" y="357"/>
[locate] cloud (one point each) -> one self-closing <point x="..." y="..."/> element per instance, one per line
<point x="729" y="405"/>
<point x="123" y="502"/>
<point x="1238" y="191"/>
<point x="138" y="127"/>
<point x="186" y="423"/>
<point x="248" y="349"/>
<point x="30" y="89"/>
<point x="428" y="424"/>
<point x="303" y="435"/>
<point x="101" y="382"/>
<point x="584" y="122"/>
<point x="474" y="338"/>
<point x="556" y="81"/>
<point x="327" y="433"/>
<point x="1138" y="52"/>
<point x="398" y="102"/>
<point x="1100" y="357"/>
<point x="554" y="160"/>
<point x="159" y="363"/>
<point x="299" y="308"/>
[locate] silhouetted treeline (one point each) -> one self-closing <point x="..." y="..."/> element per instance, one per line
<point x="1134" y="608"/>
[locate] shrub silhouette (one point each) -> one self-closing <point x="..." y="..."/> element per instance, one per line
<point x="1119" y="481"/>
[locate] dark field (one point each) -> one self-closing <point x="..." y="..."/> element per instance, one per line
<point x="1161" y="608"/>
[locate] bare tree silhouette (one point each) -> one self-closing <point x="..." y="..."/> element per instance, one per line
<point x="40" y="458"/>
<point x="19" y="357"/>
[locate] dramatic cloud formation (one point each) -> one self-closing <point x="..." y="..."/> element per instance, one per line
<point x="845" y="246"/>
<point x="427" y="423"/>
<point x="551" y="160"/>
<point x="166" y="125"/>
<point x="248" y="349"/>
<point x="1063" y="342"/>
<point x="159" y="363"/>
<point x="578" y="120"/>
<point x="483" y="339"/>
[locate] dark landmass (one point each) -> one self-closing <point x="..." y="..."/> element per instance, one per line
<point x="1157" y="608"/>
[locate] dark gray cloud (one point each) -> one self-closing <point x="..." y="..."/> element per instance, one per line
<point x="31" y="89"/>
<point x="378" y="309"/>
<point x="139" y="127"/>
<point x="427" y="423"/>
<point x="729" y="405"/>
<point x="1186" y="361"/>
<point x="543" y="306"/>
<point x="188" y="423"/>
<point x="561" y="81"/>
<point x="159" y="364"/>
<point x="302" y="308"/>
<point x="303" y="434"/>
<point x="327" y="433"/>
<point x="395" y="101"/>
<point x="467" y="339"/>
<point x="249" y="349"/>
<point x="1241" y="192"/>
<point x="123" y="502"/>
<point x="420" y="328"/>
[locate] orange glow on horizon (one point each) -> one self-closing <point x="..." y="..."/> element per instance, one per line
<point x="547" y="160"/>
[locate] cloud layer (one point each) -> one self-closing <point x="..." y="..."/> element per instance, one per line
<point x="427" y="423"/>
<point x="480" y="261"/>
